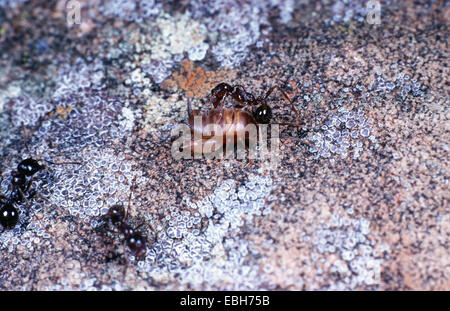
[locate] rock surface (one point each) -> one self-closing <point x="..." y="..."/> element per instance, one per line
<point x="364" y="205"/>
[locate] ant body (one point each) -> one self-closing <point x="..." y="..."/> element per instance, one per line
<point x="117" y="217"/>
<point x="20" y="185"/>
<point x="21" y="180"/>
<point x="134" y="239"/>
<point x="8" y="213"/>
<point x="232" y="122"/>
<point x="262" y="114"/>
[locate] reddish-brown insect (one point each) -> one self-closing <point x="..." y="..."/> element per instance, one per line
<point x="222" y="126"/>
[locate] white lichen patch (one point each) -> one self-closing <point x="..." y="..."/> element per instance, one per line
<point x="136" y="11"/>
<point x="106" y="181"/>
<point x="235" y="26"/>
<point x="11" y="92"/>
<point x="79" y="77"/>
<point x="358" y="263"/>
<point x="28" y="111"/>
<point x="213" y="257"/>
<point x="227" y="29"/>
<point x="343" y="135"/>
<point x="127" y="121"/>
<point x="347" y="11"/>
<point x="178" y="34"/>
<point x="12" y="4"/>
<point x="160" y="112"/>
<point x="174" y="36"/>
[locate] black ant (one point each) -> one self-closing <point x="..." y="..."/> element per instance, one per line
<point x="117" y="216"/>
<point x="135" y="240"/>
<point x="8" y="213"/>
<point x="20" y="185"/>
<point x="21" y="180"/>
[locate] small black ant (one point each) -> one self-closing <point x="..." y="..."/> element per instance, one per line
<point x="8" y="213"/>
<point x="135" y="240"/>
<point x="21" y="180"/>
<point x="117" y="216"/>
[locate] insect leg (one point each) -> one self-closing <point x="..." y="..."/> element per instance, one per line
<point x="284" y="95"/>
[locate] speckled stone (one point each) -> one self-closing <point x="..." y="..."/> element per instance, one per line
<point x="363" y="206"/>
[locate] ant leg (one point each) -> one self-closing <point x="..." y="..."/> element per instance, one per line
<point x="30" y="181"/>
<point x="49" y="202"/>
<point x="192" y="114"/>
<point x="133" y="184"/>
<point x="290" y="124"/>
<point x="219" y="93"/>
<point x="303" y="141"/>
<point x="23" y="196"/>
<point x="29" y="207"/>
<point x="62" y="163"/>
<point x="3" y="197"/>
<point x="299" y="125"/>
<point x="124" y="272"/>
<point x="110" y="244"/>
<point x="51" y="162"/>
<point x="24" y="138"/>
<point x="189" y="109"/>
<point x="39" y="219"/>
<point x="108" y="230"/>
<point x="156" y="235"/>
<point x="27" y="190"/>
<point x="220" y="101"/>
<point x="284" y="95"/>
<point x="139" y="226"/>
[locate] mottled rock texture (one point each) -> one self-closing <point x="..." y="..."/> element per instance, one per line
<point x="364" y="205"/>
